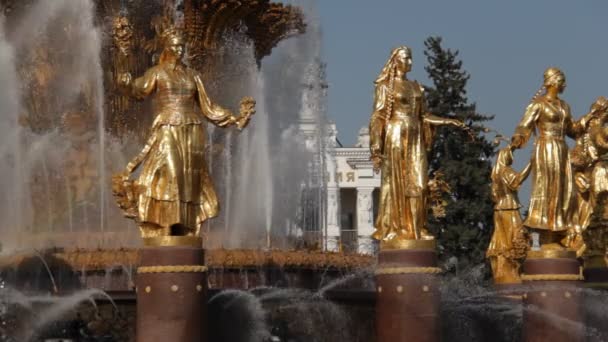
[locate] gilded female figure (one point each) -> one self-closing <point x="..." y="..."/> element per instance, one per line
<point x="508" y="245"/>
<point x="173" y="194"/>
<point x="552" y="208"/>
<point x="400" y="136"/>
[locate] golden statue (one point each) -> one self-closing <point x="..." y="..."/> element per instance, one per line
<point x="584" y="156"/>
<point x="508" y="246"/>
<point x="173" y="194"/>
<point x="592" y="181"/>
<point x="552" y="210"/>
<point x="400" y="136"/>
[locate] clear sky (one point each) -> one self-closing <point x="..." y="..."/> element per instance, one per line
<point x="504" y="45"/>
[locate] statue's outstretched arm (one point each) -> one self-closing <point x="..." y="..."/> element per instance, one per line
<point x="216" y="114"/>
<point x="434" y="120"/>
<point x="526" y="126"/>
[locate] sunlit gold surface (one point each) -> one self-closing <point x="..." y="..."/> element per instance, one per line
<point x="173" y="194"/>
<point x="590" y="178"/>
<point x="551" y="254"/>
<point x="92" y="260"/>
<point x="508" y="245"/>
<point x="595" y="236"/>
<point x="400" y="136"/>
<point x="173" y="241"/>
<point x="553" y="200"/>
<point x="408" y="244"/>
<point x="172" y="269"/>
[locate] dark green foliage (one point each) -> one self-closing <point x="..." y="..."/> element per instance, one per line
<point x="464" y="160"/>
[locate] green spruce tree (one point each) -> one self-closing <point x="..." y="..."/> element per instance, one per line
<point x="465" y="159"/>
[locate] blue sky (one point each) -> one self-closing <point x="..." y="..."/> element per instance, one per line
<point x="505" y="46"/>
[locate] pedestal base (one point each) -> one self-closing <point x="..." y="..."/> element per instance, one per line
<point x="171" y="294"/>
<point x="552" y="302"/>
<point x="407" y="291"/>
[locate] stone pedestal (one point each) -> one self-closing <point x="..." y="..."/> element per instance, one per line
<point x="171" y="289"/>
<point x="407" y="291"/>
<point x="552" y="301"/>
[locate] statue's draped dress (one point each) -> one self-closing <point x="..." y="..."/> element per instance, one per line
<point x="174" y="176"/>
<point x="552" y="202"/>
<point x="399" y="136"/>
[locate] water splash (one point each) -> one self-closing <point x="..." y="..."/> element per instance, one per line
<point x="56" y="153"/>
<point x="43" y="310"/>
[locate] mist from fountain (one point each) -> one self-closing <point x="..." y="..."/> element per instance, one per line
<point x="55" y="146"/>
<point x="269" y="177"/>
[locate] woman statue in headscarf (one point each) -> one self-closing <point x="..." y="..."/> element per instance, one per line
<point x="400" y="136"/>
<point x="552" y="210"/>
<point x="508" y="245"/>
<point x="174" y="194"/>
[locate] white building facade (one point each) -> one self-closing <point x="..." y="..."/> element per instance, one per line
<point x="352" y="196"/>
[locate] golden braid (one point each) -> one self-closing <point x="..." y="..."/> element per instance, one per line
<point x="539" y="92"/>
<point x="391" y="93"/>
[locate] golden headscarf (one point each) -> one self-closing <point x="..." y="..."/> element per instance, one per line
<point x="388" y="70"/>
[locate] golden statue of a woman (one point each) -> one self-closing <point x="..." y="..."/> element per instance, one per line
<point x="552" y="210"/>
<point x="400" y="136"/>
<point x="508" y="245"/>
<point x="173" y="194"/>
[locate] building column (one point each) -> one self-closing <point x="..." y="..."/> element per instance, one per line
<point x="333" y="220"/>
<point x="365" y="220"/>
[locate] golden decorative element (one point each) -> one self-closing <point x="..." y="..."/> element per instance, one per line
<point x="172" y="241"/>
<point x="407" y="270"/>
<point x="173" y="194"/>
<point x="552" y="254"/>
<point x="553" y="203"/>
<point x="438" y="187"/>
<point x="399" y="288"/>
<point x="207" y="22"/>
<point x="174" y="288"/>
<point x="172" y="269"/>
<point x="148" y="289"/>
<point x="408" y="244"/>
<point x="400" y="136"/>
<point x="92" y="260"/>
<point x="425" y="288"/>
<point x="548" y="277"/>
<point x="567" y="294"/>
<point x="586" y="165"/>
<point x="594" y="187"/>
<point x="508" y="245"/>
<point x="199" y="288"/>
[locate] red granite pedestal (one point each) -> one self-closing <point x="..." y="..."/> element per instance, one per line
<point x="407" y="292"/>
<point x="171" y="289"/>
<point x="552" y="301"/>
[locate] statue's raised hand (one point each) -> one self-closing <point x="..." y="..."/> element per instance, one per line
<point x="247" y="109"/>
<point x="124" y="79"/>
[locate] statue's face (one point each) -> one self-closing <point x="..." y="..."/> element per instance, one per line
<point x="176" y="46"/>
<point x="404" y="60"/>
<point x="560" y="83"/>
